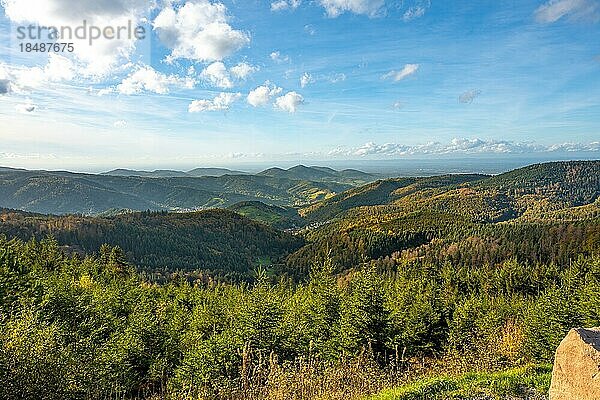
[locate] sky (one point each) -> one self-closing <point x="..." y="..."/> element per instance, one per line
<point x="220" y="83"/>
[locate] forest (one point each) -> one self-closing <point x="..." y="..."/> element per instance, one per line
<point x="429" y="288"/>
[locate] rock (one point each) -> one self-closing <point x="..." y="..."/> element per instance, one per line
<point x="576" y="372"/>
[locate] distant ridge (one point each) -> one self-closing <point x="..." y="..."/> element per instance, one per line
<point x="214" y="172"/>
<point x="320" y="193"/>
<point x="159" y="173"/>
<point x="60" y="192"/>
<point x="167" y="173"/>
<point x="314" y="173"/>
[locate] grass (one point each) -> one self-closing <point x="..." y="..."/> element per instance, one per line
<point x="531" y="382"/>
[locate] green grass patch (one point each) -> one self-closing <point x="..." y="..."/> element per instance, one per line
<point x="526" y="381"/>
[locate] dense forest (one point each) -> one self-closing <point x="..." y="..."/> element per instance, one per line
<point x="210" y="244"/>
<point x="397" y="283"/>
<point x="91" y="328"/>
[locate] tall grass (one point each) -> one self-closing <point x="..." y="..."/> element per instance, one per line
<point x="529" y="383"/>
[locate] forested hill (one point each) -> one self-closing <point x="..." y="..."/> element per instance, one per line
<point x="550" y="212"/>
<point x="379" y="193"/>
<point x="534" y="189"/>
<point x="319" y="174"/>
<point x="212" y="243"/>
<point x="575" y="182"/>
<point x="541" y="213"/>
<point x="68" y="193"/>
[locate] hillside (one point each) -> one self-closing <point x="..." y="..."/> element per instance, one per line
<point x="381" y="219"/>
<point x="92" y="326"/>
<point x="452" y="216"/>
<point x="216" y="243"/>
<point x="542" y="187"/>
<point x="574" y="182"/>
<point x="65" y="192"/>
<point x="380" y="193"/>
<point x="276" y="216"/>
<point x="320" y="174"/>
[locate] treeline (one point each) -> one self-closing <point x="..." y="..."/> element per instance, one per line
<point x="73" y="328"/>
<point x="371" y="233"/>
<point x="212" y="244"/>
<point x="575" y="182"/>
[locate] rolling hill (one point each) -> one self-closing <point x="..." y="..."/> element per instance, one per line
<point x="379" y="193"/>
<point x="213" y="243"/>
<point x="549" y="186"/>
<point x="541" y="213"/>
<point x="320" y="174"/>
<point x="67" y="193"/>
<point x="554" y="206"/>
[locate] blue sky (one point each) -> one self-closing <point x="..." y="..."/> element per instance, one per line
<point x="336" y="79"/>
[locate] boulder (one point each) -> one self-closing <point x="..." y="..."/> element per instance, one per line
<point x="576" y="372"/>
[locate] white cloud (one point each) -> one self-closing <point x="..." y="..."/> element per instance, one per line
<point x="416" y="9"/>
<point x="310" y="30"/>
<point x="20" y="79"/>
<point x="469" y="96"/>
<point x="148" y="79"/>
<point x="555" y="10"/>
<point x="413" y="13"/>
<point x="405" y="72"/>
<point x="280" y="5"/>
<point x="306" y="80"/>
<point x="243" y="70"/>
<point x="120" y="124"/>
<point x="217" y="75"/>
<point x="461" y="146"/>
<point x="575" y="147"/>
<point x="262" y="95"/>
<point x="221" y="102"/>
<point x="278" y="58"/>
<point x="104" y="55"/>
<point x="59" y="68"/>
<point x="334" y="8"/>
<point x="25" y="108"/>
<point x="199" y="30"/>
<point x="398" y="105"/>
<point x="289" y="102"/>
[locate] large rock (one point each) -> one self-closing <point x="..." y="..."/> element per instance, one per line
<point x="576" y="373"/>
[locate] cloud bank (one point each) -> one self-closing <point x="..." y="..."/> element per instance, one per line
<point x="461" y="146"/>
